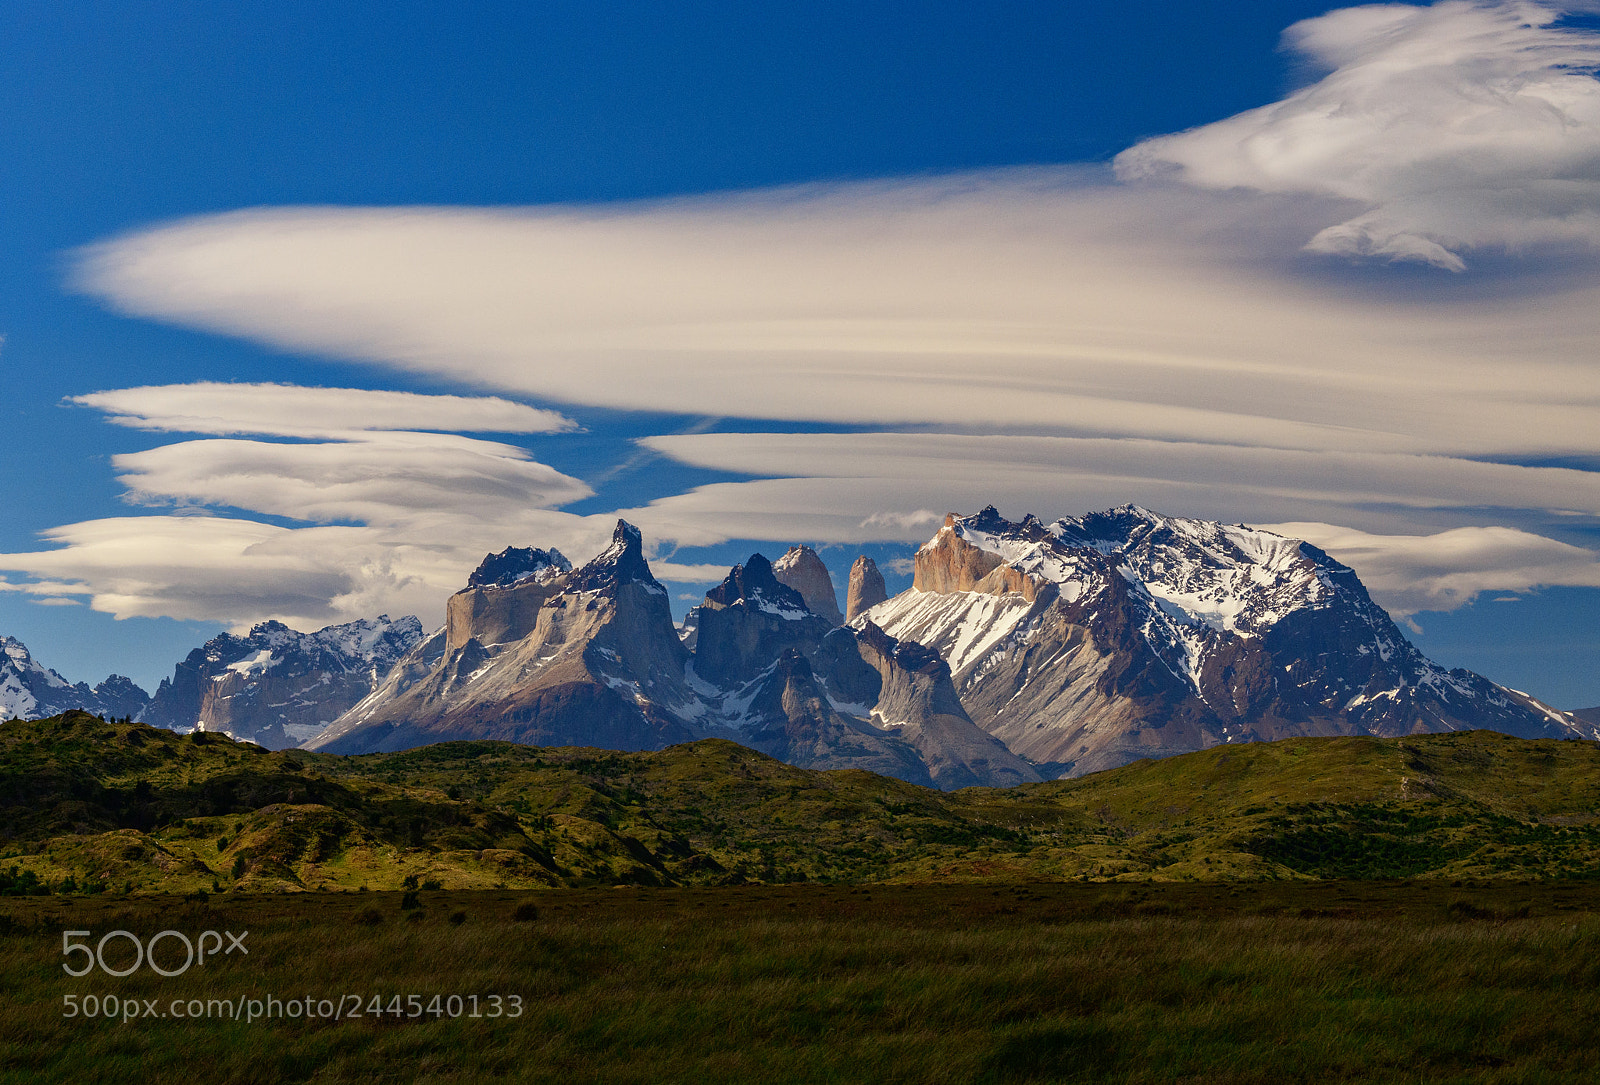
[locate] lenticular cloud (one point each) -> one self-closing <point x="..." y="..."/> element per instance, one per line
<point x="1458" y="126"/>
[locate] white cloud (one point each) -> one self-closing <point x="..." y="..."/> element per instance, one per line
<point x="287" y="410"/>
<point x="403" y="515"/>
<point x="1032" y="301"/>
<point x="1166" y="344"/>
<point x="238" y="571"/>
<point x="688" y="574"/>
<point x="1443" y="571"/>
<point x="837" y="478"/>
<point x="847" y="486"/>
<point x="389" y="479"/>
<point x="1458" y="126"/>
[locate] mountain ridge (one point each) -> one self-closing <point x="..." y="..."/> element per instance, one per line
<point x="1093" y="641"/>
<point x="155" y="811"/>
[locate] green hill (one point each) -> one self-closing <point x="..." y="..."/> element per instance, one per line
<point x="96" y="805"/>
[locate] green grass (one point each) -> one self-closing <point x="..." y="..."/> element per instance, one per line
<point x="1260" y="983"/>
<point x="109" y="806"/>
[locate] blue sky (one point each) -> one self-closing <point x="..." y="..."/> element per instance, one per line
<point x="753" y="274"/>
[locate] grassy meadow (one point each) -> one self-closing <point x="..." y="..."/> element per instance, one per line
<point x="1166" y="982"/>
<point x="101" y="806"/>
<point x="1408" y="910"/>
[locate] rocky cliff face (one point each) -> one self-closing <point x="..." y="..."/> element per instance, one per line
<point x="918" y="700"/>
<point x="802" y="570"/>
<point x="277" y="687"/>
<point x="867" y="589"/>
<point x="789" y="714"/>
<point x="588" y="656"/>
<point x="1090" y="642"/>
<point x="747" y="621"/>
<point x="31" y="691"/>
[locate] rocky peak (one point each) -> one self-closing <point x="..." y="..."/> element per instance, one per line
<point x="755" y="584"/>
<point x="29" y="690"/>
<point x="801" y="569"/>
<point x="867" y="588"/>
<point x="515" y="564"/>
<point x="622" y="562"/>
<point x="987" y="553"/>
<point x="120" y="696"/>
<point x="748" y="620"/>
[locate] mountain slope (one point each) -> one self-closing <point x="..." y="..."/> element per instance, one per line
<point x="124" y="804"/>
<point x="563" y="656"/>
<point x="1091" y="642"/>
<point x="30" y="691"/>
<point x="535" y="652"/>
<point x="277" y="687"/>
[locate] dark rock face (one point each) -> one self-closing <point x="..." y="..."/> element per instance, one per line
<point x="747" y="621"/>
<point x="119" y="696"/>
<point x="31" y="691"/>
<point x="867" y="589"/>
<point x="1088" y="643"/>
<point x="802" y="570"/>
<point x="791" y="717"/>
<point x="918" y="699"/>
<point x="516" y="564"/>
<point x="277" y="687"/>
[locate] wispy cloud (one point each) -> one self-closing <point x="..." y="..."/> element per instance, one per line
<point x="1029" y="300"/>
<point x="288" y="410"/>
<point x="1057" y="341"/>
<point x="1458" y="126"/>
<point x="1442" y="571"/>
<point x="402" y="515"/>
<point x="389" y="479"/>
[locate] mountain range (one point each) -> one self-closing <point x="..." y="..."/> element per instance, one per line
<point x="1023" y="651"/>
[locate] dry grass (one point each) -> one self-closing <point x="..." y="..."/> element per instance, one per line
<point x="1266" y="984"/>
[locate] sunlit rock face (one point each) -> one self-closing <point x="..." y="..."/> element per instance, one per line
<point x="585" y="656"/>
<point x="801" y="569"/>
<point x="866" y="589"/>
<point x="1090" y="642"/>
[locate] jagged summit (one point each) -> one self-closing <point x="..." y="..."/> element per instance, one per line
<point x="29" y="690"/>
<point x="1092" y="640"/>
<point x="515" y="564"/>
<point x="586" y="657"/>
<point x="748" y="620"/>
<point x="276" y="686"/>
<point x="620" y="563"/>
<point x="755" y="584"/>
<point x="801" y="569"/>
